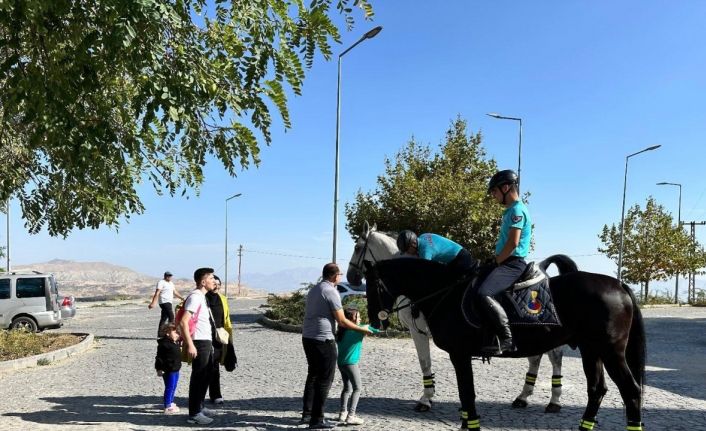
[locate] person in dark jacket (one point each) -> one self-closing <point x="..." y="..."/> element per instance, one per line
<point x="218" y="304"/>
<point x="168" y="363"/>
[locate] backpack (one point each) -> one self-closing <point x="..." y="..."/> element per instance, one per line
<point x="194" y="317"/>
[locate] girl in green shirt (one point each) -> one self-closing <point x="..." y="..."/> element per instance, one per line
<point x="349" y="346"/>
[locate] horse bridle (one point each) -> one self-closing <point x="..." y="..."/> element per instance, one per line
<point x="384" y="314"/>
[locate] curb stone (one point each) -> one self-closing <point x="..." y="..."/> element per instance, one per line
<point x="56" y="355"/>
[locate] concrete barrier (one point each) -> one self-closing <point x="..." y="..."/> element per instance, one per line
<point x="49" y="357"/>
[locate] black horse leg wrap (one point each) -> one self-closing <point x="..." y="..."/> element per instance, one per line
<point x="634" y="426"/>
<point x="530" y="378"/>
<point x="428" y="381"/>
<point x="469" y="423"/>
<point x="556" y="380"/>
<point x="587" y="424"/>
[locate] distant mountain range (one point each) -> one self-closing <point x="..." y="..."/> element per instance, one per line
<point x="98" y="280"/>
<point x="286" y="280"/>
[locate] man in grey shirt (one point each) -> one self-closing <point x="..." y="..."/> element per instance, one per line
<point x="323" y="308"/>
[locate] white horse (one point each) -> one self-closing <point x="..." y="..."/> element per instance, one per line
<point x="372" y="246"/>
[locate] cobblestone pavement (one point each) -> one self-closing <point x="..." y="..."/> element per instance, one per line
<point x="113" y="385"/>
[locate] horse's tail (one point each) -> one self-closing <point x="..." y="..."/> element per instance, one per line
<point x="563" y="263"/>
<point x="636" y="350"/>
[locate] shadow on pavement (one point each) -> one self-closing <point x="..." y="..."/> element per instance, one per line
<point x="283" y="413"/>
<point x="673" y="345"/>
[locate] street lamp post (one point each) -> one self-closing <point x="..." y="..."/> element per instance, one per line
<point x="369" y="35"/>
<point x="676" y="283"/>
<point x="622" y="216"/>
<point x="226" y="268"/>
<point x="7" y="226"/>
<point x="519" y="150"/>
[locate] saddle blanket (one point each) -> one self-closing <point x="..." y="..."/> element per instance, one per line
<point x="530" y="305"/>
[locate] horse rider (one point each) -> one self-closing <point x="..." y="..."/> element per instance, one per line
<point x="431" y="246"/>
<point x="510" y="251"/>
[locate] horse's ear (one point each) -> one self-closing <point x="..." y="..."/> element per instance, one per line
<point x="366" y="229"/>
<point x="375" y="227"/>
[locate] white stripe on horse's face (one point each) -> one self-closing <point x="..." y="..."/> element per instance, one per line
<point x="371" y="246"/>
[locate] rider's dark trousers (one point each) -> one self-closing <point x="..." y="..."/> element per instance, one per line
<point x="321" y="357"/>
<point x="503" y="276"/>
<point x="463" y="263"/>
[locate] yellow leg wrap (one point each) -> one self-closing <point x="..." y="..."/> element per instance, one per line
<point x="586" y="425"/>
<point x="473" y="424"/>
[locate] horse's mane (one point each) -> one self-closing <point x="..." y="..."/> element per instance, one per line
<point x="413" y="272"/>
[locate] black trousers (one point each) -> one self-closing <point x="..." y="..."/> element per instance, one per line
<point x="463" y="263"/>
<point x="201" y="367"/>
<point x="214" y="386"/>
<point x="167" y="314"/>
<point x="321" y="357"/>
<point x="503" y="276"/>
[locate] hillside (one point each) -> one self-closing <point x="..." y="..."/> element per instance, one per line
<point x="101" y="280"/>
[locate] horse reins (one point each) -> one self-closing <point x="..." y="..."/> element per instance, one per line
<point x="381" y="284"/>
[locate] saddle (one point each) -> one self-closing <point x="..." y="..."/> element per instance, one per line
<point x="528" y="301"/>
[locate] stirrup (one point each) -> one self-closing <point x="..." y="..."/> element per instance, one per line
<point x="497" y="349"/>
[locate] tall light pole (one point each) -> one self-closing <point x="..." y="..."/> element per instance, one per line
<point x="369" y="35"/>
<point x="622" y="216"/>
<point x="226" y="270"/>
<point x="676" y="283"/>
<point x="519" y="150"/>
<point x="7" y="226"/>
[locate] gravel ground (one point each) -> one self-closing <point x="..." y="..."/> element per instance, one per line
<point x="113" y="386"/>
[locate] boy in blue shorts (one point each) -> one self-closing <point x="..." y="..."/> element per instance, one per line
<point x="510" y="251"/>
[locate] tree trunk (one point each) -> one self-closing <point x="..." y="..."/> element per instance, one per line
<point x="647" y="290"/>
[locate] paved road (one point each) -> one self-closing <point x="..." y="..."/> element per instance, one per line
<point x="113" y="386"/>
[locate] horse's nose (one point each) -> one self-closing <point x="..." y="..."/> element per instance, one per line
<point x="354" y="277"/>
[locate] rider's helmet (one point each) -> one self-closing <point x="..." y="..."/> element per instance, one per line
<point x="500" y="178"/>
<point x="405" y="239"/>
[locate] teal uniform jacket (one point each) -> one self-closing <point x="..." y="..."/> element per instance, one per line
<point x="350" y="345"/>
<point x="516" y="216"/>
<point x="437" y="248"/>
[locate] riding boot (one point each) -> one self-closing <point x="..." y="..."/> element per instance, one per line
<point x="496" y="316"/>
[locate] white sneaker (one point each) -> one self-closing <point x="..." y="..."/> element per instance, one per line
<point x="171" y="410"/>
<point x="342" y="416"/>
<point x="218" y="401"/>
<point x="354" y="420"/>
<point x="199" y="419"/>
<point x="208" y="412"/>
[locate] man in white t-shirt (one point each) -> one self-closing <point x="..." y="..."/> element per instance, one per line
<point x="199" y="345"/>
<point x="164" y="294"/>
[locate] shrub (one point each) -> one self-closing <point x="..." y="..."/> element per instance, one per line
<point x="290" y="308"/>
<point x="21" y="343"/>
<point x="656" y="299"/>
<point x="287" y="309"/>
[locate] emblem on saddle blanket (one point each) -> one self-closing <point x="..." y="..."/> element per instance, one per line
<point x="531" y="303"/>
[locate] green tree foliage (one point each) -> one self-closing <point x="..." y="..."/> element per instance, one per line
<point x="443" y="192"/>
<point x="653" y="248"/>
<point x="97" y="96"/>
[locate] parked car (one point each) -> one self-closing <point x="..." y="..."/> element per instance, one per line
<point x="29" y="300"/>
<point x="68" y="307"/>
<point x="346" y="289"/>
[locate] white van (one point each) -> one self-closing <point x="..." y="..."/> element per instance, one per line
<point x="29" y="300"/>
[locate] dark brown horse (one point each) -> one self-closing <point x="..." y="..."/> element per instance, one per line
<point x="599" y="315"/>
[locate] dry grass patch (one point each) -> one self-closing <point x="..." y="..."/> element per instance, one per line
<point x="20" y="344"/>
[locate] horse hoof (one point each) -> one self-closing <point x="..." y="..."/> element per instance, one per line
<point x="520" y="404"/>
<point x="421" y="408"/>
<point x="552" y="408"/>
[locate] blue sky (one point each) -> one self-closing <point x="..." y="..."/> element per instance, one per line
<point x="592" y="81"/>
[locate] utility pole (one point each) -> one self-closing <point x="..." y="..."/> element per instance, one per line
<point x="691" y="290"/>
<point x="240" y="259"/>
